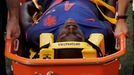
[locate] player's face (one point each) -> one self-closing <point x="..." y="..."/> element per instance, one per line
<point x="70" y="32"/>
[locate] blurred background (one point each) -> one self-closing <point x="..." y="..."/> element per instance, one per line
<point x="127" y="60"/>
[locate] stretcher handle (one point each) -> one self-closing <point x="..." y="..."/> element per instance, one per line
<point x="26" y="61"/>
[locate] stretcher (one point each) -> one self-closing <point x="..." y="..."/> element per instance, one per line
<point x="106" y="65"/>
<point x="90" y="64"/>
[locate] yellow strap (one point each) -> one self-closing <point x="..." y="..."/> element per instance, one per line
<point x="111" y="8"/>
<point x="62" y="45"/>
<point x="32" y="54"/>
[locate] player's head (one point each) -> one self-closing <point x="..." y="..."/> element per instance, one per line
<point x="70" y="32"/>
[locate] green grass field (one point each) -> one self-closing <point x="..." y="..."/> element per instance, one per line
<point x="127" y="60"/>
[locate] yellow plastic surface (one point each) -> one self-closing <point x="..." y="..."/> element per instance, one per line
<point x="87" y="52"/>
<point x="98" y="39"/>
<point x="46" y="53"/>
<point x="46" y="38"/>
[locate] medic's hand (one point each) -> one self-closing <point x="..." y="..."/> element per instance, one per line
<point x="121" y="28"/>
<point x="13" y="29"/>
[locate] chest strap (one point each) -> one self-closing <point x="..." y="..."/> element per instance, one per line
<point x="109" y="7"/>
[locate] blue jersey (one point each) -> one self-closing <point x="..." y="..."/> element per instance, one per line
<point x="82" y="11"/>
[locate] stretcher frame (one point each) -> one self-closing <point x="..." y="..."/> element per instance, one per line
<point x="108" y="65"/>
